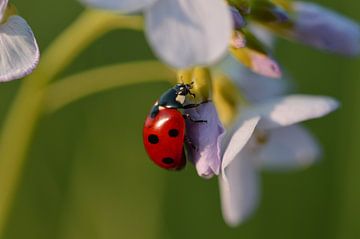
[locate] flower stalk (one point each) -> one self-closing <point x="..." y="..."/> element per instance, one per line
<point x="25" y="112"/>
<point x="78" y="86"/>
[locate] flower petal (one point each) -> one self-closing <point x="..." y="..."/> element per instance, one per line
<point x="288" y="148"/>
<point x="19" y="53"/>
<point x="239" y="190"/>
<point x="239" y="21"/>
<point x="125" y="6"/>
<point x="254" y="55"/>
<point x="255" y="87"/>
<point x="291" y="109"/>
<point x="205" y="137"/>
<point x="257" y="62"/>
<point x="244" y="130"/>
<point x="325" y="29"/>
<point x="185" y="33"/>
<point x="3" y="6"/>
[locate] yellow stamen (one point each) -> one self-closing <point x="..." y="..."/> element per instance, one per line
<point x="226" y="98"/>
<point x="10" y="11"/>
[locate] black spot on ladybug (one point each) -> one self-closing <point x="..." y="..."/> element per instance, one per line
<point x="173" y="133"/>
<point x="153" y="139"/>
<point x="167" y="160"/>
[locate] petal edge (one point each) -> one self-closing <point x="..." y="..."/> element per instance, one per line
<point x="20" y="53"/>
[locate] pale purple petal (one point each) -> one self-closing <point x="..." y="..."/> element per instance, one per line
<point x="19" y="52"/>
<point x="206" y="137"/>
<point x="325" y="29"/>
<point x="3" y="5"/>
<point x="255" y="88"/>
<point x="264" y="65"/>
<point x="288" y="148"/>
<point x="258" y="62"/>
<point x="125" y="6"/>
<point x="244" y="129"/>
<point x="288" y="110"/>
<point x="185" y="33"/>
<point x="239" y="21"/>
<point x="239" y="190"/>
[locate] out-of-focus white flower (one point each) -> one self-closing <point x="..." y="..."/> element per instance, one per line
<point x="19" y="52"/>
<point x="324" y="29"/>
<point x="182" y="33"/>
<point x="266" y="136"/>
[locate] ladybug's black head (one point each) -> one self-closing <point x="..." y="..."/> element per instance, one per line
<point x="184" y="89"/>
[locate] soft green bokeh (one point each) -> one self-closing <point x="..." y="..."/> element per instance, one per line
<point x="87" y="175"/>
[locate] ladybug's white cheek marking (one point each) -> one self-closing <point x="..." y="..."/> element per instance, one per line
<point x="161" y="108"/>
<point x="180" y="99"/>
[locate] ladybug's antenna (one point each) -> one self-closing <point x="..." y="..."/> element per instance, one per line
<point x="181" y="79"/>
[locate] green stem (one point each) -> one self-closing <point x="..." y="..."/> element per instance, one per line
<point x="78" y="86"/>
<point x="89" y="26"/>
<point x="26" y="109"/>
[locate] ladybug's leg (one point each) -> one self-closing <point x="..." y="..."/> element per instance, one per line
<point x="189" y="106"/>
<point x="187" y="116"/>
<point x="192" y="94"/>
<point x="190" y="143"/>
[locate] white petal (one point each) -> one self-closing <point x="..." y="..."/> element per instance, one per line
<point x="3" y="5"/>
<point x="292" y="109"/>
<point x="125" y="6"/>
<point x="288" y="148"/>
<point x="239" y="190"/>
<point x="238" y="140"/>
<point x="185" y="33"/>
<point x="19" y="52"/>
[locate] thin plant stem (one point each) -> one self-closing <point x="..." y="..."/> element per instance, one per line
<point x="73" y="88"/>
<point x="25" y="111"/>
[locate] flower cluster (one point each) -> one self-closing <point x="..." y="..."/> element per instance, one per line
<point x="189" y="33"/>
<point x="226" y="49"/>
<point x="263" y="133"/>
<point x="262" y="127"/>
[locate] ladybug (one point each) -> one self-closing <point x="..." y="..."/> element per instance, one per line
<point x="164" y="128"/>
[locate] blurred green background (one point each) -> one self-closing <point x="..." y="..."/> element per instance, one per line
<point x="87" y="175"/>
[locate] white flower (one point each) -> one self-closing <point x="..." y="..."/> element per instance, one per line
<point x="19" y="53"/>
<point x="266" y="136"/>
<point x="324" y="29"/>
<point x="183" y="33"/>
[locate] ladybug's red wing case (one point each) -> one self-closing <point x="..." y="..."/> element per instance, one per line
<point x="163" y="138"/>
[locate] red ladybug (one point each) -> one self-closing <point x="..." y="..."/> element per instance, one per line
<point x="164" y="129"/>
